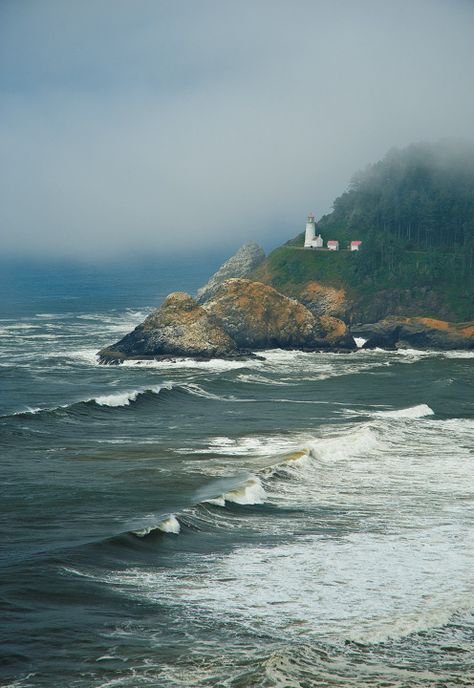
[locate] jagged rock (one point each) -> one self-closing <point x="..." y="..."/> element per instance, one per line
<point x="180" y="327"/>
<point x="248" y="257"/>
<point x="416" y="333"/>
<point x="257" y="316"/>
<point x="243" y="316"/>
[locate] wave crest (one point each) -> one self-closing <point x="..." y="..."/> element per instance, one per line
<point x="170" y="524"/>
<point x="418" y="411"/>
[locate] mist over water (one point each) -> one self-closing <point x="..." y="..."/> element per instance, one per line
<point x="302" y="520"/>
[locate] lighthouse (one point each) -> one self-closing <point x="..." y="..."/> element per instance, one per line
<point x="310" y="238"/>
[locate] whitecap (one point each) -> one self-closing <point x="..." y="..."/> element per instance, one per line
<point x="419" y="411"/>
<point x="250" y="492"/>
<point x="125" y="398"/>
<point x="170" y="524"/>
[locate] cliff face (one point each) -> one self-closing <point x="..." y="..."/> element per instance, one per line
<point x="180" y="327"/>
<point x="241" y="264"/>
<point x="259" y="317"/>
<point x="243" y="316"/>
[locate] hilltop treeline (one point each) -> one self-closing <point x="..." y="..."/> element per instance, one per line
<point x="416" y="200"/>
<point x="414" y="212"/>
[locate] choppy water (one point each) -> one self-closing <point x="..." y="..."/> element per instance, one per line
<point x="300" y="521"/>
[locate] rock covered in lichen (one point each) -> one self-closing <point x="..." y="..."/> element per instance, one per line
<point x="243" y="316"/>
<point x="257" y="316"/>
<point x="180" y="327"/>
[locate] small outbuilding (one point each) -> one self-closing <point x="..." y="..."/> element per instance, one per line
<point x="355" y="245"/>
<point x="333" y="245"/>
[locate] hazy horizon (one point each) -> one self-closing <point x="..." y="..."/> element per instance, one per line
<point x="155" y="128"/>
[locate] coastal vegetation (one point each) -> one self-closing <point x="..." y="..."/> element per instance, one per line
<point x="414" y="212"/>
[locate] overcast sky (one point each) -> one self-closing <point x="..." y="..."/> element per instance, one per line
<point x="151" y="125"/>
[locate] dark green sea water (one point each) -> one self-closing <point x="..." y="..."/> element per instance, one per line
<point x="306" y="520"/>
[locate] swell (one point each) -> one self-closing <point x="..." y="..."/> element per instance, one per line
<point x="118" y="400"/>
<point x="211" y="512"/>
<point x="229" y="497"/>
<point x="254" y="490"/>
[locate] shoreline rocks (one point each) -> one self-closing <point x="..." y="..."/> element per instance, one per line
<point x="257" y="316"/>
<point x="180" y="327"/>
<point x="241" y="318"/>
<point x="416" y="333"/>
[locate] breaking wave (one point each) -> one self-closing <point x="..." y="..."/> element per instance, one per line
<point x="112" y="400"/>
<point x="170" y="524"/>
<point x="127" y="398"/>
<point x="419" y="411"/>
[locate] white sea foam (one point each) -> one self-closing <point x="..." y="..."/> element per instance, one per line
<point x="214" y="365"/>
<point x="343" y="445"/>
<point x="419" y="411"/>
<point x="366" y="586"/>
<point x="420" y="353"/>
<point x="360" y="341"/>
<point x="88" y="356"/>
<point x="252" y="446"/>
<point x="459" y="354"/>
<point x="381" y="490"/>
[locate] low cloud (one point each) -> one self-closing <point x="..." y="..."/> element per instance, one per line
<point x="150" y="127"/>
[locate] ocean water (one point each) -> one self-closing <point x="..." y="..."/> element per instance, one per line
<point x="305" y="520"/>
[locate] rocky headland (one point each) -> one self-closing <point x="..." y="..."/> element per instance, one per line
<point x="180" y="327"/>
<point x="242" y="317"/>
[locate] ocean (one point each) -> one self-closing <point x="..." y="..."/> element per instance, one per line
<point x="303" y="520"/>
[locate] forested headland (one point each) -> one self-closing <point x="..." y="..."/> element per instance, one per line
<point x="414" y="213"/>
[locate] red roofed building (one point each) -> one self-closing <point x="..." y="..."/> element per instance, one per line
<point x="333" y="245"/>
<point x="355" y="245"/>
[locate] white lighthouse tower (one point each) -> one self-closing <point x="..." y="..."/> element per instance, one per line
<point x="310" y="238"/>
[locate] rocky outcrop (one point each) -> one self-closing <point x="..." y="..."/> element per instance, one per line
<point x="257" y="316"/>
<point x="241" y="264"/>
<point x="180" y="327"/>
<point x="242" y="317"/>
<point x="416" y="333"/>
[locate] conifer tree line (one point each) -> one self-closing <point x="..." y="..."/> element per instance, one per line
<point x="414" y="211"/>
